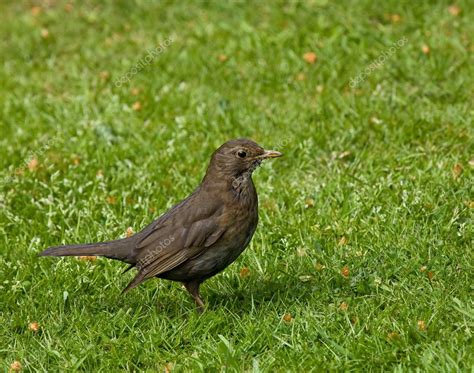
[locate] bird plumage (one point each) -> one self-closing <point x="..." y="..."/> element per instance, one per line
<point x="201" y="235"/>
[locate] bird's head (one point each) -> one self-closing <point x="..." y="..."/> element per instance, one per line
<point x="238" y="157"/>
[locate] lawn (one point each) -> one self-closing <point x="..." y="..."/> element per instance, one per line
<point x="363" y="257"/>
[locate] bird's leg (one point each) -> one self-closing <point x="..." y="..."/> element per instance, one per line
<point x="193" y="288"/>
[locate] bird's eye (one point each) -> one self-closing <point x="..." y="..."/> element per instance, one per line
<point x="241" y="154"/>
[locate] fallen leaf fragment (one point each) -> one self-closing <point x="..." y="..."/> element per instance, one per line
<point x="343" y="306"/>
<point x="430" y="275"/>
<point x="222" y="57"/>
<point x="287" y="317"/>
<point x="104" y="75"/>
<point x="33" y="164"/>
<point x="15" y="366"/>
<point x="309" y="203"/>
<point x="137" y="106"/>
<point x="395" y="18"/>
<point x="244" y="272"/>
<point x="129" y="232"/>
<point x="393" y="336"/>
<point x="111" y="200"/>
<point x="33" y="326"/>
<point x="454" y="10"/>
<point x="421" y="325"/>
<point x="36" y="10"/>
<point x="310" y="57"/>
<point x="87" y="258"/>
<point x="345" y="271"/>
<point x="457" y="170"/>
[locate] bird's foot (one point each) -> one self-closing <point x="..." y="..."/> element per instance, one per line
<point x="201" y="307"/>
<point x="193" y="289"/>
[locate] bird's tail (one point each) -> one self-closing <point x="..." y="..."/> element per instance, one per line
<point x="119" y="250"/>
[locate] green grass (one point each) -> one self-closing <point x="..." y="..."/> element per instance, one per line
<point x="375" y="164"/>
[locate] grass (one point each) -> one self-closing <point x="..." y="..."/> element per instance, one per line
<point x="363" y="257"/>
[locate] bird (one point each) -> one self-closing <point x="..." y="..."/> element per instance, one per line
<point x="201" y="235"/>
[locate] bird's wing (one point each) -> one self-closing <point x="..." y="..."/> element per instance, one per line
<point x="181" y="235"/>
<point x="168" y="248"/>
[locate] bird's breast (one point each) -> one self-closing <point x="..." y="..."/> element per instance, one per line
<point x="238" y="221"/>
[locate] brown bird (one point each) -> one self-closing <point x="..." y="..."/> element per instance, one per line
<point x="202" y="234"/>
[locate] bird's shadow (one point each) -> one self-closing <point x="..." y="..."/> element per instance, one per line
<point x="232" y="295"/>
<point x="257" y="295"/>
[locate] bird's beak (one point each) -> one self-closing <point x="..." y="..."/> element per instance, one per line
<point x="271" y="154"/>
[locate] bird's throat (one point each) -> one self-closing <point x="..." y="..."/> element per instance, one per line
<point x="243" y="188"/>
<point x="241" y="182"/>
